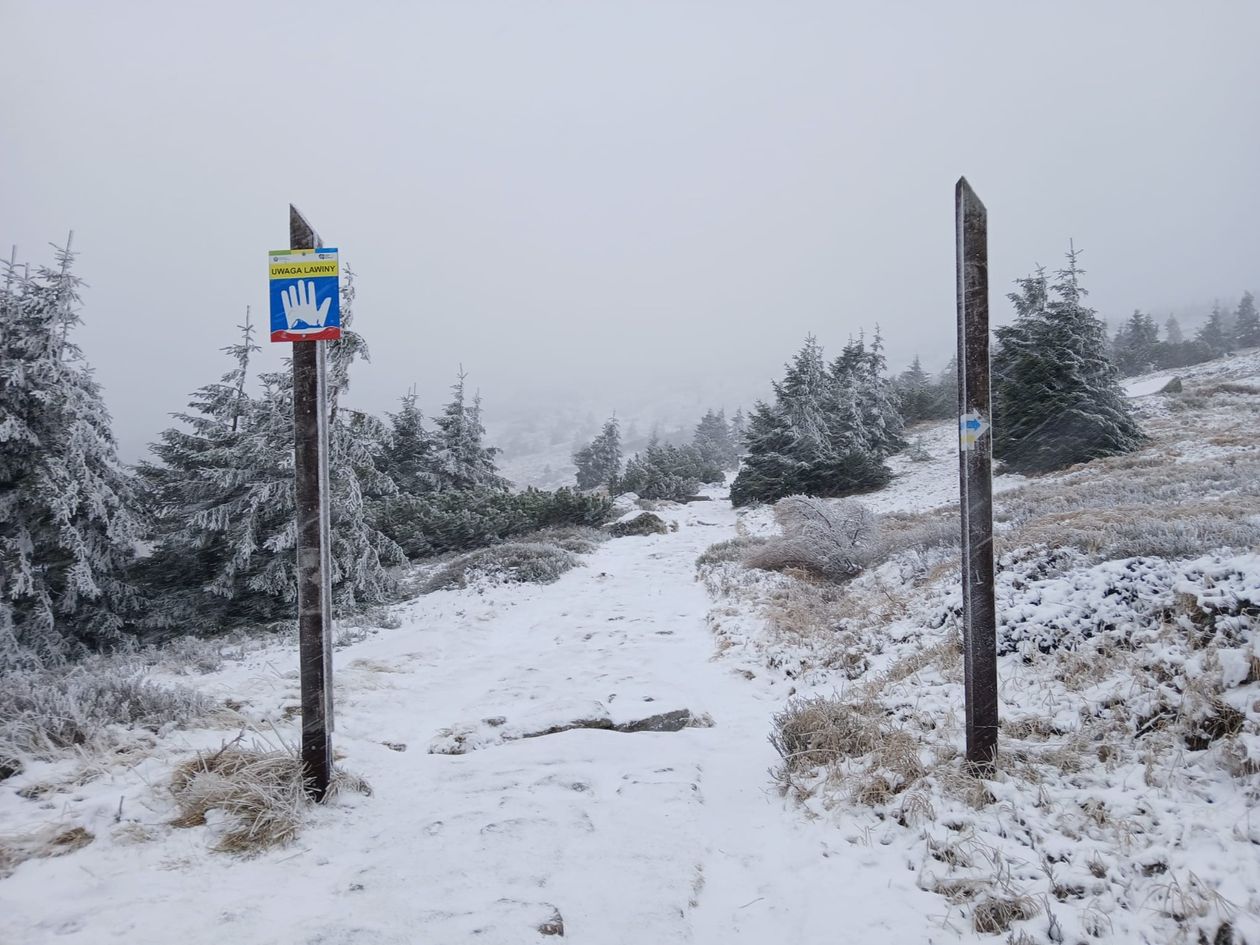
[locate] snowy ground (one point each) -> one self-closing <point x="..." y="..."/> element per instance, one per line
<point x="647" y="837"/>
<point x="627" y="838"/>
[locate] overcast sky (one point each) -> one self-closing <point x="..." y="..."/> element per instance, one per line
<point x="603" y="201"/>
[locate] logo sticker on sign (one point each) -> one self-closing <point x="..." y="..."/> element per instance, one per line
<point x="305" y="294"/>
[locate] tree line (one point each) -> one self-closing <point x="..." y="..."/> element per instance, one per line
<point x="201" y="535"/>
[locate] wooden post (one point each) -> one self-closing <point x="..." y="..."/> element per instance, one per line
<point x="310" y="454"/>
<point x="975" y="470"/>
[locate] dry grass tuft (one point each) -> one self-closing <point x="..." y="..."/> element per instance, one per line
<point x="818" y="732"/>
<point x="261" y="792"/>
<point x="994" y="914"/>
<point x="53" y="841"/>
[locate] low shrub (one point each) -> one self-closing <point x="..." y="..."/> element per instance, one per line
<point x="645" y="523"/>
<point x="508" y="563"/>
<point x="830" y="539"/>
<point x="443" y="522"/>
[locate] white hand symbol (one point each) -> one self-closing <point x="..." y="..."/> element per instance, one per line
<point x="299" y="306"/>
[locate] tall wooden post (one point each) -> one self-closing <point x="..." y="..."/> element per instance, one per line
<point x="975" y="470"/>
<point x="310" y="454"/>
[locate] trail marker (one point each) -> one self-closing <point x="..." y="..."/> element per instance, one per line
<point x="307" y="305"/>
<point x="971" y="426"/>
<point x="975" y="473"/>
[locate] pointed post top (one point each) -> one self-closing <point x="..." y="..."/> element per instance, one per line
<point x="965" y="196"/>
<point x="301" y="234"/>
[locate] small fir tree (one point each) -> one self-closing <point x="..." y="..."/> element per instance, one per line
<point x="714" y="440"/>
<point x="1057" y="397"/>
<point x="599" y="462"/>
<point x="1214" y="333"/>
<point x="463" y="459"/>
<point x="1247" y="323"/>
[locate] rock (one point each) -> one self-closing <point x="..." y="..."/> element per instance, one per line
<point x="645" y="523"/>
<point x="554" y="925"/>
<point x="1172" y="387"/>
<point x="674" y="721"/>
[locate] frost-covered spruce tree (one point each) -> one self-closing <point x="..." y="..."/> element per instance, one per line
<point x="224" y="498"/>
<point x="914" y="392"/>
<point x="599" y="462"/>
<point x="221" y="490"/>
<point x="1247" y="323"/>
<point x="69" y="517"/>
<point x="463" y="459"/>
<point x="410" y="452"/>
<point x="814" y="438"/>
<point x="1057" y="398"/>
<point x="1135" y="346"/>
<point x="714" y="440"/>
<point x="1214" y="334"/>
<point x="739" y="426"/>
<point x="865" y="371"/>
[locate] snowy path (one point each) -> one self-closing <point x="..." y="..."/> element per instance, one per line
<point x="633" y="838"/>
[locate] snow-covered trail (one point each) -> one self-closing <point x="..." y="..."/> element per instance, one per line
<point x="630" y="837"/>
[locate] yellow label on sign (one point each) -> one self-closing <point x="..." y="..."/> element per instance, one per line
<point x="295" y="269"/>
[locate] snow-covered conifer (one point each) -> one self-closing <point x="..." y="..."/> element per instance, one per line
<point x="464" y="461"/>
<point x="1214" y="334"/>
<point x="223" y="494"/>
<point x="714" y="440"/>
<point x="69" y="515"/>
<point x="1247" y="323"/>
<point x="599" y="462"/>
<point x="1057" y="399"/>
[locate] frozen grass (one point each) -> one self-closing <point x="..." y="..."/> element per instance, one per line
<point x="47" y="842"/>
<point x="259" y="791"/>
<point x="509" y="563"/>
<point x="45" y="712"/>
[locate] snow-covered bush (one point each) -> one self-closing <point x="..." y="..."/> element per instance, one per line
<point x="827" y="538"/>
<point x="645" y="523"/>
<point x="443" y="521"/>
<point x="731" y="550"/>
<point x="510" y="562"/>
<point x="46" y="711"/>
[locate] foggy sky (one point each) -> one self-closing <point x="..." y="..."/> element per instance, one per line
<point x="604" y="203"/>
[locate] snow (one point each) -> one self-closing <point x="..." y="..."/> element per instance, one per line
<point x="646" y="837"/>
<point x="482" y="829"/>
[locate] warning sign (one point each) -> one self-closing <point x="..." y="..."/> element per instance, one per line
<point x="305" y="294"/>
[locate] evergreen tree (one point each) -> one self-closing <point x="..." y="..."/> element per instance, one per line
<point x="69" y="515"/>
<point x="1056" y="395"/>
<point x="1214" y="335"/>
<point x="739" y="428"/>
<point x="880" y="411"/>
<point x="827" y="432"/>
<point x="715" y="442"/>
<point x="223" y="493"/>
<point x="1172" y="331"/>
<point x="914" y="389"/>
<point x="463" y="460"/>
<point x="668" y="472"/>
<point x="1247" y="323"/>
<point x="410" y="452"/>
<point x="599" y="462"/>
<point x="1135" y="347"/>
